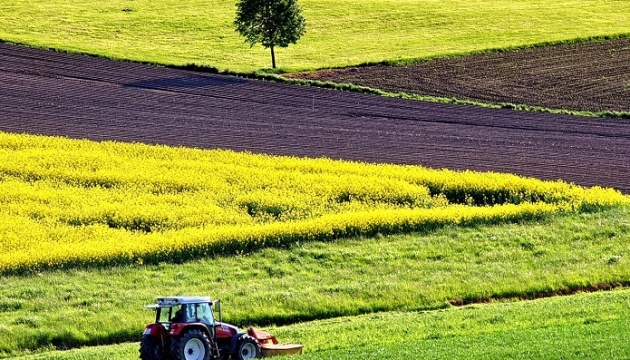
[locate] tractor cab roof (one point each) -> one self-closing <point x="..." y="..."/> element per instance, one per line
<point x="166" y="302"/>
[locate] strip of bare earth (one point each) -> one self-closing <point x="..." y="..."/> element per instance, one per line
<point x="588" y="76"/>
<point x="85" y="97"/>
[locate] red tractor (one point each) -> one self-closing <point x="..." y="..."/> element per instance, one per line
<point x="185" y="328"/>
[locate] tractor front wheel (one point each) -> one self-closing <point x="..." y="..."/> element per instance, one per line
<point x="193" y="345"/>
<point x="151" y="348"/>
<point x="247" y="348"/>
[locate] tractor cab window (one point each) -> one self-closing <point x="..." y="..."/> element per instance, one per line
<point x="187" y="313"/>
<point x="164" y="315"/>
<point x="173" y="314"/>
<point x="178" y="314"/>
<point x="204" y="314"/>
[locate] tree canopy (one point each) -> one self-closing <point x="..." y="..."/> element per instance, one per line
<point x="270" y="22"/>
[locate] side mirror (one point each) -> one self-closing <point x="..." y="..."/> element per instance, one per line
<point x="217" y="308"/>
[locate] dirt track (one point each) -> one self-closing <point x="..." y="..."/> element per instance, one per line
<point x="590" y="76"/>
<point x="83" y="97"/>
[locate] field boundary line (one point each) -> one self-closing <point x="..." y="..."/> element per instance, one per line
<point x="562" y="291"/>
<point x="277" y="76"/>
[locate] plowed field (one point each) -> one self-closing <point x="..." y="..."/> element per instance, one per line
<point x="84" y="97"/>
<point x="590" y="76"/>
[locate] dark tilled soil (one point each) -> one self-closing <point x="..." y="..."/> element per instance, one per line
<point x="84" y="97"/>
<point x="589" y="76"/>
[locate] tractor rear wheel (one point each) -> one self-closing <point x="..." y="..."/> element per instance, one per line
<point x="247" y="348"/>
<point x="193" y="345"/>
<point x="151" y="348"/>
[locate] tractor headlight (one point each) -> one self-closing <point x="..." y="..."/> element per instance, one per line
<point x="147" y="331"/>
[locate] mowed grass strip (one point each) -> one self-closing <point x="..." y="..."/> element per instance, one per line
<point x="322" y="280"/>
<point x="593" y="326"/>
<point x="343" y="33"/>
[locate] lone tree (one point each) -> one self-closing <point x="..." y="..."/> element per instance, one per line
<point x="270" y="22"/>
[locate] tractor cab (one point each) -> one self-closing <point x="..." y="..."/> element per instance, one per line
<point x="175" y="313"/>
<point x="186" y="328"/>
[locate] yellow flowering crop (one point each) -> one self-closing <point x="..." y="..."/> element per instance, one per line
<point x="66" y="203"/>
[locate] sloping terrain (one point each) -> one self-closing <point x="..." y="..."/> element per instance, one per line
<point x="586" y="76"/>
<point x="339" y="33"/>
<point x="84" y="97"/>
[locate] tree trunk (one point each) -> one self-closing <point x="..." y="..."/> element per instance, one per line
<point x="273" y="58"/>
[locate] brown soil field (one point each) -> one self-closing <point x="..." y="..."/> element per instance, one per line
<point x="587" y="76"/>
<point x="77" y="96"/>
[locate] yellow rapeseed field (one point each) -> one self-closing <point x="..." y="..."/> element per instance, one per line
<point x="67" y="203"/>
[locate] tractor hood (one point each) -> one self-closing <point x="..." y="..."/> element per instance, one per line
<point x="225" y="330"/>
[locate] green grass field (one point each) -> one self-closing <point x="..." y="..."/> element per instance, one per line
<point x="368" y="297"/>
<point x="342" y="33"/>
<point x="594" y="326"/>
<point x="322" y="280"/>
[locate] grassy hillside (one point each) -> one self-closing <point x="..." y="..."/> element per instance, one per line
<point x="593" y="326"/>
<point x="339" y="33"/>
<point x="360" y="280"/>
<point x="323" y="280"/>
<point x="92" y="231"/>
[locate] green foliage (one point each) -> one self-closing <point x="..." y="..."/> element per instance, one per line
<point x="321" y="281"/>
<point x="270" y="22"/>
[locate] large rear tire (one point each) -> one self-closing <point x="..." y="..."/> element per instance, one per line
<point x="193" y="345"/>
<point x="246" y="348"/>
<point x="151" y="348"/>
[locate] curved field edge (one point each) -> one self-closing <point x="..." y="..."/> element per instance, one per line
<point x="411" y="61"/>
<point x="584" y="325"/>
<point x="447" y="76"/>
<point x="70" y="203"/>
<point x="167" y="31"/>
<point x="436" y="99"/>
<point x="310" y="281"/>
<point x="293" y="78"/>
